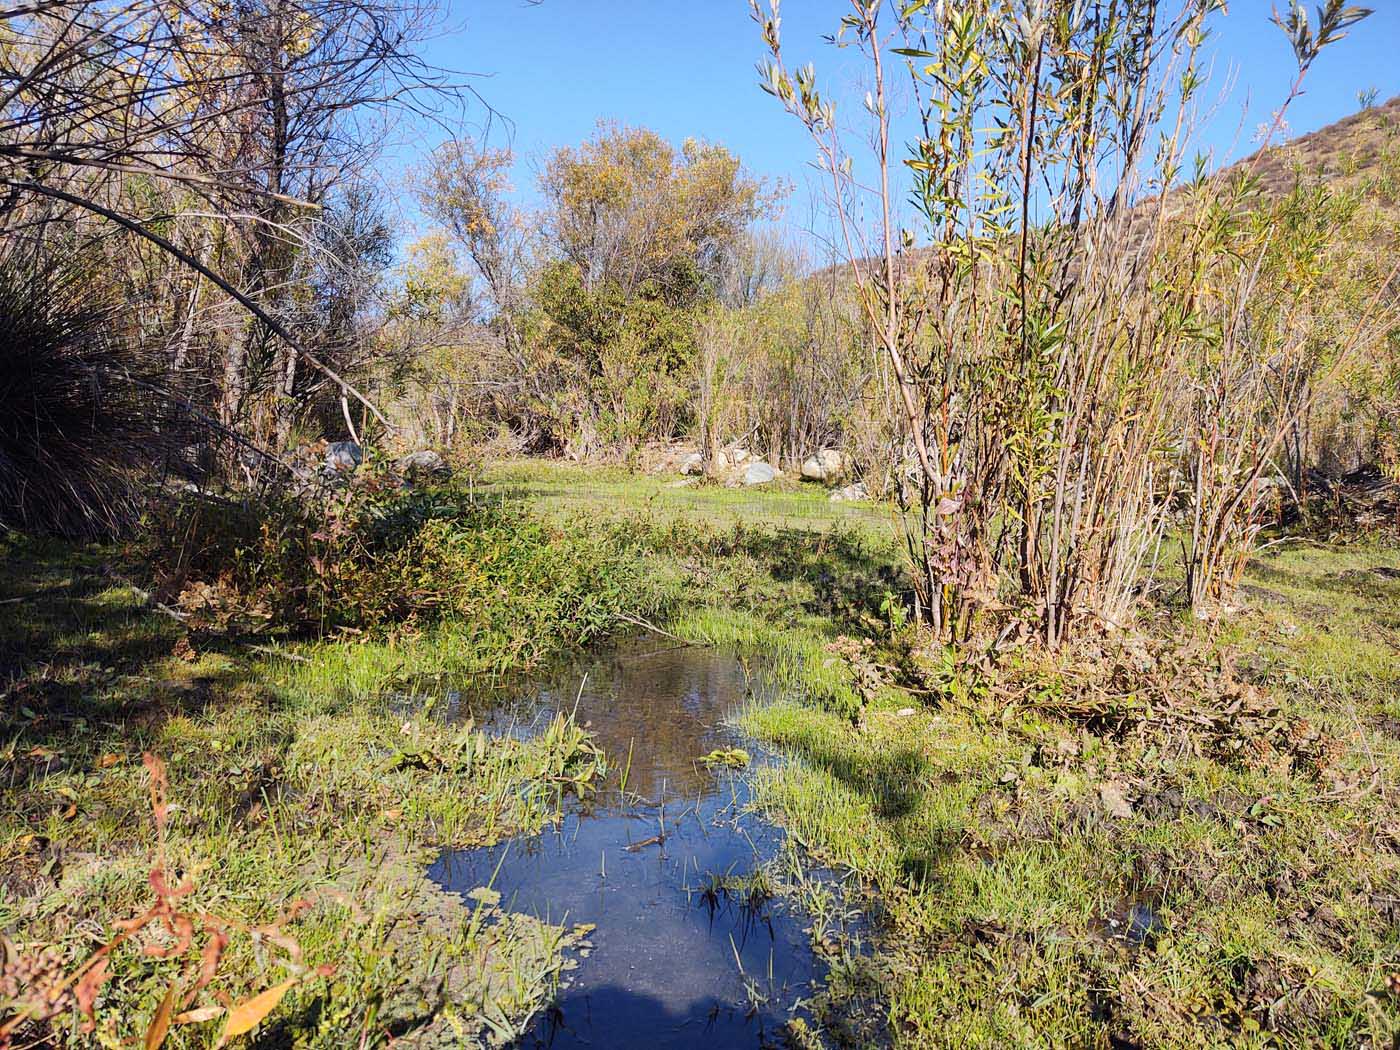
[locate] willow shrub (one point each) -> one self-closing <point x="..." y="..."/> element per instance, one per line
<point x="1071" y="318"/>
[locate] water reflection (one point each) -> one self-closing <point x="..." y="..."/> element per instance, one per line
<point x="688" y="952"/>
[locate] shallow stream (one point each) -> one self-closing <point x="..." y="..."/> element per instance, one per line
<point x="685" y="953"/>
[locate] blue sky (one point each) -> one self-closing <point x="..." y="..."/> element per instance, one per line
<point x="687" y="69"/>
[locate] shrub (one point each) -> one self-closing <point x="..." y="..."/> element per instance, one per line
<point x="81" y="413"/>
<point x="382" y="559"/>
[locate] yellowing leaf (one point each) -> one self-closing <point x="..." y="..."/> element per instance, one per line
<point x="160" y="1023"/>
<point x="245" y="1016"/>
<point x="199" y="1014"/>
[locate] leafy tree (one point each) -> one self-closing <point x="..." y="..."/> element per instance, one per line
<point x="626" y="208"/>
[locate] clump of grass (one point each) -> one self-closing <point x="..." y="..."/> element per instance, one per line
<point x="81" y="413"/>
<point x="726" y="758"/>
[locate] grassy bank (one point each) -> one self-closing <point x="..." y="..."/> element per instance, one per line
<point x="1183" y="836"/>
<point x="1180" y="836"/>
<point x="308" y="788"/>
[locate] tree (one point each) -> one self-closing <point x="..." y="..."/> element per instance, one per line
<point x="625" y="209"/>
<point x="249" y="117"/>
<point x="593" y="321"/>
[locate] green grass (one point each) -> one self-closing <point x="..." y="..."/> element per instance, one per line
<point x="291" y="778"/>
<point x="564" y="490"/>
<point x="1120" y="846"/>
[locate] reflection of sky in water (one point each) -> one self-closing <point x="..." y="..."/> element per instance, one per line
<point x="666" y="966"/>
<point x="666" y="703"/>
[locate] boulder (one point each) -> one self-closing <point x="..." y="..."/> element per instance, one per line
<point x="826" y="466"/>
<point x="344" y="456"/>
<point x="760" y="473"/>
<point x="695" y="463"/>
<point x="850" y="493"/>
<point x="737" y="455"/>
<point x="424" y="464"/>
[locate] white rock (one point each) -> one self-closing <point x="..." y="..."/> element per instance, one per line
<point x="760" y="473"/>
<point x="426" y="463"/>
<point x="850" y="493"/>
<point x="344" y="456"/>
<point x="827" y="465"/>
<point x="693" y="463"/>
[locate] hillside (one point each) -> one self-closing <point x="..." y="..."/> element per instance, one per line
<point x="1360" y="151"/>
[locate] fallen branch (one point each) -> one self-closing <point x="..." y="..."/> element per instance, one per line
<point x="639" y="622"/>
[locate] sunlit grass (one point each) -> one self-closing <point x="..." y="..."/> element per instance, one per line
<point x="1001" y="889"/>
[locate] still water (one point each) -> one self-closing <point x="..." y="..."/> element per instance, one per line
<point x="684" y="954"/>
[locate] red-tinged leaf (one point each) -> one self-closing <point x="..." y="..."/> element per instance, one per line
<point x="85" y="992"/>
<point x="248" y="1014"/>
<point x="183" y="931"/>
<point x="162" y="888"/>
<point x="160" y="1023"/>
<point x="282" y="940"/>
<point x="209" y="961"/>
<point x="132" y="925"/>
<point x="156" y="768"/>
<point x="294" y="910"/>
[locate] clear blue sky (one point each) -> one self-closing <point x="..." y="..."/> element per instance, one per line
<point x="687" y="69"/>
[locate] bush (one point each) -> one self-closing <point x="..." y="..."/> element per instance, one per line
<point x="81" y="416"/>
<point x="393" y="558"/>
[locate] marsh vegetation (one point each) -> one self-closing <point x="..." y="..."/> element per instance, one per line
<point x="607" y="613"/>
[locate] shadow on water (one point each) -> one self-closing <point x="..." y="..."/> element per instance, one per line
<point x="689" y="950"/>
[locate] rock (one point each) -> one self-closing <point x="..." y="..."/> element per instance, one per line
<point x="826" y="466"/>
<point x="737" y="455"/>
<point x="760" y="473"/>
<point x="850" y="493"/>
<point x="344" y="456"/>
<point x="424" y="464"/>
<point x="695" y="463"/>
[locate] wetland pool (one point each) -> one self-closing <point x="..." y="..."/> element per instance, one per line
<point x="689" y="948"/>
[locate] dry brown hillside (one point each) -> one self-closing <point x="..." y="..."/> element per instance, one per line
<point x="1362" y="150"/>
